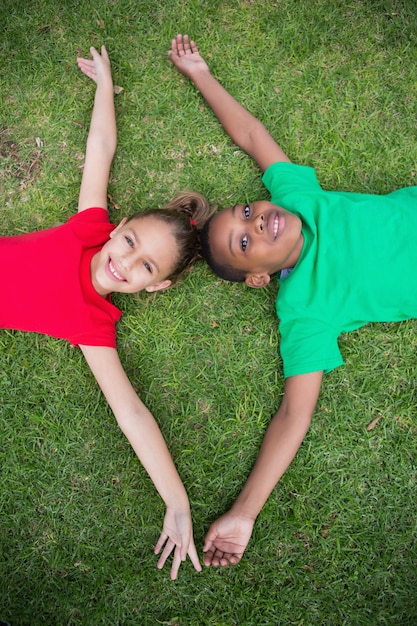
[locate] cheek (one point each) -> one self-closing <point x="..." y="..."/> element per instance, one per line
<point x="111" y="245"/>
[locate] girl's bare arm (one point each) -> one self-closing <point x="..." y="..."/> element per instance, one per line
<point x="102" y="136"/>
<point x="143" y="433"/>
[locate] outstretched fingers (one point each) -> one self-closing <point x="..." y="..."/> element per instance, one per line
<point x="169" y="547"/>
<point x="87" y="67"/>
<point x="176" y="562"/>
<point x="192" y="553"/>
<point x="180" y="554"/>
<point x="103" y="52"/>
<point x="162" y="538"/>
<point x="182" y="45"/>
<point x="96" y="67"/>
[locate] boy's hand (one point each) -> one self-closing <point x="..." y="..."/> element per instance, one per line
<point x="227" y="539"/>
<point x="177" y="535"/>
<point x="97" y="68"/>
<point x="185" y="56"/>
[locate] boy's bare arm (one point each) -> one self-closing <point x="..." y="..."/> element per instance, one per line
<point x="102" y="136"/>
<point x="228" y="536"/>
<point x="245" y="130"/>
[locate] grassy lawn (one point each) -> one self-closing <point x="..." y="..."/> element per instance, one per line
<point x="336" y="544"/>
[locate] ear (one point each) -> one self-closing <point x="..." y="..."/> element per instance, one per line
<point x="257" y="280"/>
<point x="164" y="284"/>
<point x="118" y="227"/>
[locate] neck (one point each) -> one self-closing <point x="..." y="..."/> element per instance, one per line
<point x="295" y="254"/>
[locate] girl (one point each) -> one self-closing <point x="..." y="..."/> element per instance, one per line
<point x="67" y="274"/>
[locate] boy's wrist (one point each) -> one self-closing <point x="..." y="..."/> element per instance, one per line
<point x="200" y="75"/>
<point x="243" y="510"/>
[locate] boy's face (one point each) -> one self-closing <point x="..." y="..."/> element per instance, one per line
<point x="140" y="254"/>
<point x="259" y="238"/>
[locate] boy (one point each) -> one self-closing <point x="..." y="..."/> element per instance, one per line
<point x="331" y="249"/>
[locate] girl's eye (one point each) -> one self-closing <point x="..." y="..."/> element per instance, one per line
<point x="244" y="243"/>
<point x="129" y="241"/>
<point x="148" y="267"/>
<point x="246" y="211"/>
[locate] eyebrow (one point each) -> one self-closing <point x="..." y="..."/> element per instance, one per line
<point x="231" y="234"/>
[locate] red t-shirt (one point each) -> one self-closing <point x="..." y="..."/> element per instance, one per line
<point x="47" y="285"/>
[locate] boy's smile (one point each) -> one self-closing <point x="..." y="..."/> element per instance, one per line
<point x="140" y="254"/>
<point x="259" y="238"/>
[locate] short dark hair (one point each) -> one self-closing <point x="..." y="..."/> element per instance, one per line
<point x="227" y="272"/>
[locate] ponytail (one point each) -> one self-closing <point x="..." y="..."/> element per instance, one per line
<point x="186" y="214"/>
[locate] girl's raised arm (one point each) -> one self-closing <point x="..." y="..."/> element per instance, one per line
<point x="143" y="433"/>
<point x="101" y="141"/>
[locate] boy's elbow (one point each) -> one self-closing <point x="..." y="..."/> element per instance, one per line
<point x="299" y="418"/>
<point x="255" y="131"/>
<point x="254" y="139"/>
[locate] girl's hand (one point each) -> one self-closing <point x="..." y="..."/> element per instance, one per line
<point x="98" y="68"/>
<point x="177" y="535"/>
<point x="185" y="56"/>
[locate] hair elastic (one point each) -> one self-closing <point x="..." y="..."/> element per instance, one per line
<point x="193" y="222"/>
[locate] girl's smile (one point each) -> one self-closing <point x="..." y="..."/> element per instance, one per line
<point x="140" y="254"/>
<point x="113" y="272"/>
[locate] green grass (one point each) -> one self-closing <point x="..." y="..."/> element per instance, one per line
<point x="336" y="84"/>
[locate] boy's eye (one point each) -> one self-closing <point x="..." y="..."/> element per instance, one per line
<point x="246" y="211"/>
<point x="129" y="241"/>
<point x="244" y="242"/>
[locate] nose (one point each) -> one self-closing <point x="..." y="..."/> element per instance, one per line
<point x="260" y="224"/>
<point x="128" y="259"/>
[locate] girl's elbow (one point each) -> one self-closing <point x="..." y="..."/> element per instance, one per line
<point x="103" y="145"/>
<point x="126" y="422"/>
<point x="131" y="419"/>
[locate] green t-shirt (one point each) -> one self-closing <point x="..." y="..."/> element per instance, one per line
<point x="358" y="265"/>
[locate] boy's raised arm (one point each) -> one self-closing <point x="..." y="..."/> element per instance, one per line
<point x="245" y="130"/>
<point x="101" y="141"/>
<point x="229" y="535"/>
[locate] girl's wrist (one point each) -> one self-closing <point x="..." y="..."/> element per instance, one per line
<point x="105" y="86"/>
<point x="178" y="501"/>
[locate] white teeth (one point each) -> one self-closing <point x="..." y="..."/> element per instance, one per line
<point x="114" y="272"/>
<point x="276" y="222"/>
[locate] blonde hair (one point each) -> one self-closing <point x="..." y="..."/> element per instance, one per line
<point x="186" y="214"/>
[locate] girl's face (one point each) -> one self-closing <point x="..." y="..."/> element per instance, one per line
<point x="140" y="254"/>
<point x="258" y="238"/>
